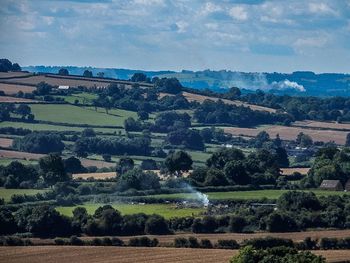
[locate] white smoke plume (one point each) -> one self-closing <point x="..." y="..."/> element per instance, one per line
<point x="287" y="84"/>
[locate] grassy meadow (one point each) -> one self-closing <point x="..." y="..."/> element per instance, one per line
<point x="165" y="210"/>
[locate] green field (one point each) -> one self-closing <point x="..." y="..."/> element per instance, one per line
<point x="165" y="210"/>
<point x="49" y="127"/>
<point x="64" y="113"/>
<point x="242" y="195"/>
<point x="83" y="98"/>
<point x="7" y="193"/>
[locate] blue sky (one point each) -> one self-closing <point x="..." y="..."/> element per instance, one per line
<point x="251" y="35"/>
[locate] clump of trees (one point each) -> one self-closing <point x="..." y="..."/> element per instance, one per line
<point x="232" y="167"/>
<point x="138" y="180"/>
<point x="120" y="146"/>
<point x="45" y="221"/>
<point x="276" y="254"/>
<point x="330" y="164"/>
<point x="39" y="142"/>
<point x="218" y="112"/>
<point x="9" y="110"/>
<point x="6" y="65"/>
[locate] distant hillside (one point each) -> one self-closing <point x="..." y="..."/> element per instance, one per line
<point x="302" y="83"/>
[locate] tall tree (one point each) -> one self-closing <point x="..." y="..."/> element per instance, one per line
<point x="178" y="161"/>
<point x="52" y="169"/>
<point x="63" y="72"/>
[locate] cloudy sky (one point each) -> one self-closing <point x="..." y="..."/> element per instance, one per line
<point x="243" y="35"/>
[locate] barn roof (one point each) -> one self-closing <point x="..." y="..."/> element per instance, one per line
<point x="330" y="183"/>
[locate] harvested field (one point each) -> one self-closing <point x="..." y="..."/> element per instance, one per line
<point x="20" y="155"/>
<point x="323" y="125"/>
<point x="201" y="98"/>
<point x="99" y="164"/>
<point x="5" y="142"/>
<point x="290" y="133"/>
<point x="92" y="254"/>
<point x="63" y="254"/>
<point x="290" y="171"/>
<point x="15" y="100"/>
<point x="85" y="176"/>
<point x="12" y="74"/>
<point x="11" y="89"/>
<point x="72" y="81"/>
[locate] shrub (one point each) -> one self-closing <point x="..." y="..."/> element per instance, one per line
<point x="117" y="242"/>
<point x="180" y="242"/>
<point x="268" y="242"/>
<point x="75" y="241"/>
<point x="206" y="243"/>
<point x="143" y="242"/>
<point x="227" y="244"/>
<point x="60" y="242"/>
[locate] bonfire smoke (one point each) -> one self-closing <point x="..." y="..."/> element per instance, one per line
<point x="200" y="197"/>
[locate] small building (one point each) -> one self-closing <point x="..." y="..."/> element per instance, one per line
<point x="333" y="185"/>
<point x="63" y="87"/>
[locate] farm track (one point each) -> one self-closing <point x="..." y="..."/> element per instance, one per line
<point x="68" y="254"/>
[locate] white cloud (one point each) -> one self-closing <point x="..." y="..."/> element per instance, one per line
<point x="311" y="42"/>
<point x="182" y="26"/>
<point x="149" y="2"/>
<point x="321" y="8"/>
<point x="210" y="7"/>
<point x="238" y="13"/>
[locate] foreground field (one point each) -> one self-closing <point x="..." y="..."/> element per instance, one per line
<point x="45" y="254"/>
<point x="165" y="210"/>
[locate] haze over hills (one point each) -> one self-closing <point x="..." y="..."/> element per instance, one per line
<point x="302" y="83"/>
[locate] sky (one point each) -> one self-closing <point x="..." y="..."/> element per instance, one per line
<point x="238" y="35"/>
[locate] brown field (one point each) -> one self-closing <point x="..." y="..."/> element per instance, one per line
<point x="85" y="176"/>
<point x="290" y="133"/>
<point x="5" y="142"/>
<point x="14" y="100"/>
<point x="11" y="89"/>
<point x="323" y="125"/>
<point x="290" y="171"/>
<point x="33" y="80"/>
<point x="99" y="164"/>
<point x="63" y="254"/>
<point x="20" y="155"/>
<point x="201" y="98"/>
<point x="14" y="74"/>
<point x="68" y="254"/>
<point x="73" y="81"/>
